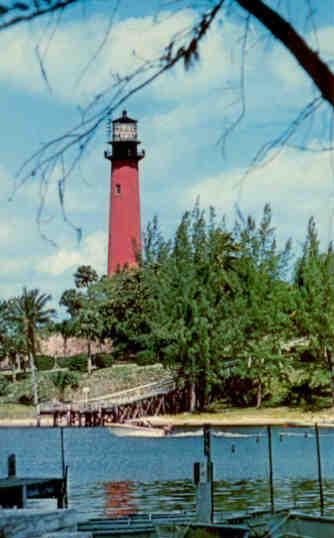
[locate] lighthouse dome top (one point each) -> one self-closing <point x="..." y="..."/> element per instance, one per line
<point x="124" y="118"/>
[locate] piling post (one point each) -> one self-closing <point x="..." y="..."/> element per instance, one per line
<point x="62" y="450"/>
<point x="321" y="489"/>
<point x="203" y="478"/>
<point x="271" y="474"/>
<point x="63" y="497"/>
<point x="11" y="465"/>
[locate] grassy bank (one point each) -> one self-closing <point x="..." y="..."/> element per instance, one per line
<point x="100" y="382"/>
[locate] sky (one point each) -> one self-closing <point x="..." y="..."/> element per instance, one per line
<point x="181" y="118"/>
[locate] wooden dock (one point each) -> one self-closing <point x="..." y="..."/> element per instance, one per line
<point x="16" y="491"/>
<point x="147" y="400"/>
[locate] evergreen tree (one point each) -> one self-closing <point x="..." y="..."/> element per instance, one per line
<point x="314" y="319"/>
<point x="262" y="306"/>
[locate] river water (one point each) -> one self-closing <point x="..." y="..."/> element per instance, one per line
<point x="111" y="475"/>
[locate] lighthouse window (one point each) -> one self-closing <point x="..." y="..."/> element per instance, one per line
<point x="117" y="188"/>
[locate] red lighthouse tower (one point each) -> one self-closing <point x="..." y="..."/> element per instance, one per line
<point x="124" y="242"/>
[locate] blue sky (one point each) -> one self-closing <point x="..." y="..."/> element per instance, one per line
<point x="181" y="118"/>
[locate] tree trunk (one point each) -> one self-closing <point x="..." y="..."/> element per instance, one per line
<point x="13" y="373"/>
<point x="192" y="397"/>
<point x="34" y="387"/>
<point x="89" y="360"/>
<point x="259" y="394"/>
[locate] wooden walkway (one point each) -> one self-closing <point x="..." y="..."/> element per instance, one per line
<point x="143" y="401"/>
<point x="15" y="491"/>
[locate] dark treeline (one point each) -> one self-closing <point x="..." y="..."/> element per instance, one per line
<point x="238" y="319"/>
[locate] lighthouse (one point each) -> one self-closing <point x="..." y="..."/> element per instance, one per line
<point x="124" y="241"/>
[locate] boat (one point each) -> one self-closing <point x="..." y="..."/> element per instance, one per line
<point x="282" y="524"/>
<point x="291" y="524"/>
<point x="145" y="429"/>
<point x="162" y="525"/>
<point x="131" y="430"/>
<point x="237" y="435"/>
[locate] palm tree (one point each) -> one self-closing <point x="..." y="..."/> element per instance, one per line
<point x="85" y="275"/>
<point x="66" y="329"/>
<point x="11" y="339"/>
<point x="30" y="313"/>
<point x="62" y="380"/>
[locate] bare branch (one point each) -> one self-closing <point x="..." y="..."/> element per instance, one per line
<point x="36" y="12"/>
<point x="102" y="44"/>
<point x="182" y="48"/>
<point x="229" y="130"/>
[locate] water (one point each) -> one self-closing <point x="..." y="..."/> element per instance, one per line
<point x="111" y="475"/>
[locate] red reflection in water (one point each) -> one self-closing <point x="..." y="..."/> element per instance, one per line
<point x="119" y="499"/>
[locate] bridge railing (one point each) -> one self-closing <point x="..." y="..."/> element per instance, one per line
<point x="137" y="393"/>
<point x="122" y="397"/>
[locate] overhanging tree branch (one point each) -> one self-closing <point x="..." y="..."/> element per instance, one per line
<point x="307" y="58"/>
<point x="182" y="48"/>
<point x="35" y="10"/>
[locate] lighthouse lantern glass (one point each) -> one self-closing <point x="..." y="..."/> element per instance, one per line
<point x="124" y="131"/>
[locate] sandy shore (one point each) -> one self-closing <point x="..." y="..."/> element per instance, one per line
<point x="281" y="416"/>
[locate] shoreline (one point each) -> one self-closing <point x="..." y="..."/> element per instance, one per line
<point x="248" y="417"/>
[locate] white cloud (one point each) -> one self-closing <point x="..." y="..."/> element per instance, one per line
<point x="92" y="251"/>
<point x="131" y="41"/>
<point x="298" y="185"/>
<point x="73" y="46"/>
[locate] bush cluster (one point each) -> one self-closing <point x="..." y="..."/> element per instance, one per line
<point x="44" y="362"/>
<point x="4" y="383"/>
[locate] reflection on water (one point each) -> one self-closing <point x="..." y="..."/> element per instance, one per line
<point x="112" y="476"/>
<point x="112" y="500"/>
<point x="119" y="499"/>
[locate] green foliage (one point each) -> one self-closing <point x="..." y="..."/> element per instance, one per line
<point x="4" y="384"/>
<point x="22" y="391"/>
<point x="103" y="360"/>
<point x="85" y="275"/>
<point x="44" y="362"/>
<point x="216" y="306"/>
<point x="76" y="363"/>
<point x="314" y="319"/>
<point x="62" y="380"/>
<point x="30" y="312"/>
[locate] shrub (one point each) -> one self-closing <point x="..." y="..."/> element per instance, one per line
<point x="25" y="399"/>
<point x="44" y="362"/>
<point x="103" y="360"/>
<point x="145" y="358"/>
<point x="4" y="384"/>
<point x="76" y="363"/>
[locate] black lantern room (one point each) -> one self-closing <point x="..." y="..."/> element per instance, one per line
<point x="124" y="140"/>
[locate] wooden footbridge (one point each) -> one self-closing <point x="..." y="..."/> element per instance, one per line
<point x="143" y="401"/>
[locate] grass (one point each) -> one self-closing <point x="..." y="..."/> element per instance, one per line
<point x="100" y="382"/>
<point x="118" y="377"/>
<point x="16" y="411"/>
